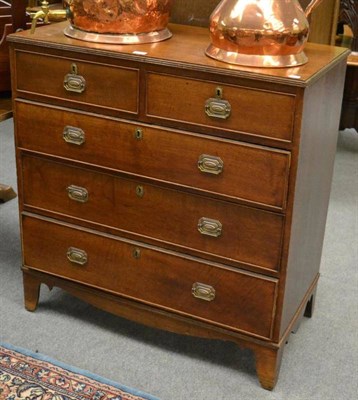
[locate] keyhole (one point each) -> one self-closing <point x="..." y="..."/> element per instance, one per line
<point x="74" y="69"/>
<point x="136" y="253"/>
<point x="139" y="191"/>
<point x="138" y="134"/>
<point x="219" y="92"/>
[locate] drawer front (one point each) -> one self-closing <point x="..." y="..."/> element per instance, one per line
<point x="252" y="111"/>
<point x="199" y="224"/>
<point x="168" y="281"/>
<point x="76" y="81"/>
<point x="253" y="174"/>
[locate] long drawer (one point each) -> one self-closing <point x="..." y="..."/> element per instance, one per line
<point x="234" y="233"/>
<point x="246" y="173"/>
<point x="233" y="299"/>
<point x="226" y="107"/>
<point x="77" y="82"/>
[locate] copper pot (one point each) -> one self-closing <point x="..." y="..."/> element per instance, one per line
<point x="119" y="21"/>
<point x="260" y="33"/>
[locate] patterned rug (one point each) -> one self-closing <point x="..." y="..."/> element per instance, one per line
<point x="30" y="376"/>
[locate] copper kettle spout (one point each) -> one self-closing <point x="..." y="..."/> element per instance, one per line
<point x="311" y="6"/>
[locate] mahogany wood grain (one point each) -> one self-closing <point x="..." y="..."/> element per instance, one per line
<point x="176" y="154"/>
<point x="186" y="50"/>
<point x="249" y="236"/>
<point x="320" y="120"/>
<point x="254" y="112"/>
<point x="268" y="355"/>
<point x="47" y="80"/>
<point x="162" y="319"/>
<point x="143" y="254"/>
<point x="154" y="277"/>
<point x="145" y="314"/>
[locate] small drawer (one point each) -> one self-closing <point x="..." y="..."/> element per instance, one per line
<point x="200" y="225"/>
<point x="72" y="81"/>
<point x="187" y="286"/>
<point x="246" y="173"/>
<point x="227" y="108"/>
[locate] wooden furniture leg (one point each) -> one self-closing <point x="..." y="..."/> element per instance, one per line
<point x="31" y="291"/>
<point x="307" y="311"/>
<point x="6" y="193"/>
<point x="268" y="362"/>
<point x="310" y="305"/>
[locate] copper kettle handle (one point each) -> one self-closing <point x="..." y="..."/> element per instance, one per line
<point x="311" y="6"/>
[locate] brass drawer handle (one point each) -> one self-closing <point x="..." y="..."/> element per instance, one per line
<point x="77" y="193"/>
<point x="203" y="292"/>
<point x="77" y="256"/>
<point x="210" y="164"/>
<point x="74" y="82"/>
<point x="210" y="227"/>
<point x="73" y="135"/>
<point x="216" y="107"/>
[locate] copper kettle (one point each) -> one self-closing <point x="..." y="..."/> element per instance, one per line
<point x="119" y="21"/>
<point x="260" y="33"/>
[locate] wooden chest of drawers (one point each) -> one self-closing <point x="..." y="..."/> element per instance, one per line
<point x="174" y="190"/>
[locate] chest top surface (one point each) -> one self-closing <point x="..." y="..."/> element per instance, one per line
<point x="186" y="50"/>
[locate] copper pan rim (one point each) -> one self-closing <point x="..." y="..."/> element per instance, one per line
<point x="260" y="61"/>
<point x="127" y="38"/>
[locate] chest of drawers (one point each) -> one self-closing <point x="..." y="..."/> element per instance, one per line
<point x="173" y="190"/>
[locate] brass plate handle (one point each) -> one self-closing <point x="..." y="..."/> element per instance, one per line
<point x="73" y="135"/>
<point x="74" y="82"/>
<point x="203" y="291"/>
<point x="218" y="108"/>
<point x="77" y="193"/>
<point x="210" y="227"/>
<point x="210" y="164"/>
<point x="77" y="256"/>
